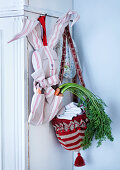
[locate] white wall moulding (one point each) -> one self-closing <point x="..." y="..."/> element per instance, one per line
<point x="19" y="95"/>
<point x="26" y="102"/>
<point x="11" y="5"/>
<point x="1" y="100"/>
<point x="12" y="87"/>
<point x="11" y="13"/>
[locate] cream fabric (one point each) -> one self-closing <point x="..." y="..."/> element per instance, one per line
<point x="45" y="106"/>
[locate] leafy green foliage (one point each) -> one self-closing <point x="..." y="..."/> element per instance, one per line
<point x="98" y="126"/>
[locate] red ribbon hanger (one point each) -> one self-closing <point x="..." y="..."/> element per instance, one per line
<point x="41" y="19"/>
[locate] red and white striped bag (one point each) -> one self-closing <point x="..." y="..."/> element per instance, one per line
<point x="70" y="133"/>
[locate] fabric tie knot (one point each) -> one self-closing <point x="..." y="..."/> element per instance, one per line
<point x="48" y="82"/>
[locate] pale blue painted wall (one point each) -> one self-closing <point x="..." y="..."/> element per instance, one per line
<point x="97" y="35"/>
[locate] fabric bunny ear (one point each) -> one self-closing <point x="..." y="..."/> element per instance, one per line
<point x="69" y="16"/>
<point x="29" y="25"/>
<point x="75" y="18"/>
<point x="60" y="25"/>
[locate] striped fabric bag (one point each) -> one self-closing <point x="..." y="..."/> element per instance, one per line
<point x="45" y="104"/>
<point x="70" y="133"/>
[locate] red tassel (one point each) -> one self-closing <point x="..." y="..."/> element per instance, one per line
<point x="79" y="161"/>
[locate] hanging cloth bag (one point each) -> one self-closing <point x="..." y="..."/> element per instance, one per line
<point x="70" y="133"/>
<point x="45" y="104"/>
<point x="67" y="36"/>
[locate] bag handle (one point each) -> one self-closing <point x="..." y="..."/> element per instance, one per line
<point x="67" y="35"/>
<point x="63" y="56"/>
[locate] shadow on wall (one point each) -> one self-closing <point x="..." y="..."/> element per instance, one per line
<point x="81" y="55"/>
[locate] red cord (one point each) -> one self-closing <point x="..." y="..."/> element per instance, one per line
<point x="41" y="19"/>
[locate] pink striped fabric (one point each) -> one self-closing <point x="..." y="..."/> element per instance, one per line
<point x="45" y="106"/>
<point x="36" y="42"/>
<point x="51" y="60"/>
<point x="29" y="25"/>
<point x="60" y="25"/>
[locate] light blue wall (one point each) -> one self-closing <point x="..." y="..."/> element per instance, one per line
<point x="97" y="35"/>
